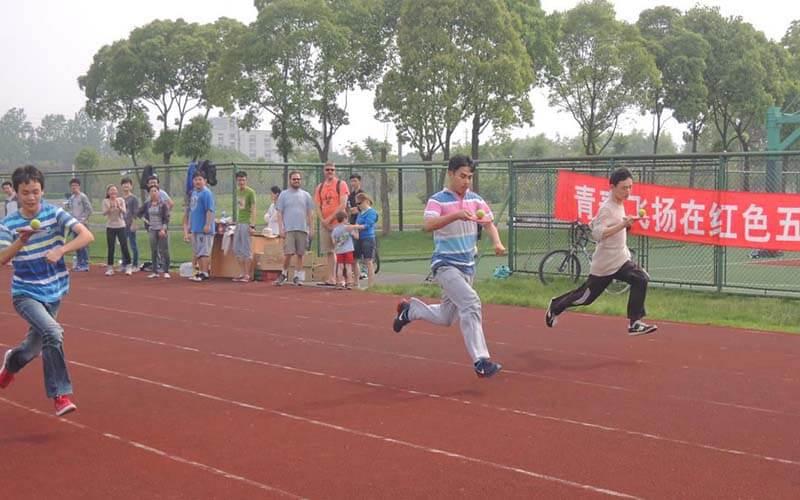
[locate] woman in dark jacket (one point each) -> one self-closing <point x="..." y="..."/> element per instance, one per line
<point x="155" y="213"/>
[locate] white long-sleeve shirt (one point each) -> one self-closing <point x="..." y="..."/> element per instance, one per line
<point x="612" y="252"/>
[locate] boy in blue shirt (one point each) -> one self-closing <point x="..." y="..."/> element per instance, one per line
<point x="40" y="281"/>
<point x="365" y="223"/>
<point x="198" y="224"/>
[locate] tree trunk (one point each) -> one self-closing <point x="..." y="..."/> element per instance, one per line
<point x="476" y="137"/>
<point x="386" y="211"/>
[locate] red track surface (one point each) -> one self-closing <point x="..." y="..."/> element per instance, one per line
<point x="224" y="390"/>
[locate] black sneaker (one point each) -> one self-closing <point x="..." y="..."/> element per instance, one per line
<point x="641" y="328"/>
<point x="282" y="278"/>
<point x="296" y="281"/>
<point x="485" y="367"/>
<point x="203" y="277"/>
<point x="550" y="318"/>
<point x="401" y="319"/>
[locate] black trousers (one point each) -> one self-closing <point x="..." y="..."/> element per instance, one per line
<point x="630" y="272"/>
<point x="121" y="235"/>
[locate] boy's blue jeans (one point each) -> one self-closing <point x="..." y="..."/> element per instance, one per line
<point x="45" y="337"/>
<point x="134" y="248"/>
<point x="82" y="257"/>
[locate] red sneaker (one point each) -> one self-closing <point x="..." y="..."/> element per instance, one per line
<point x="64" y="405"/>
<point x="6" y="377"/>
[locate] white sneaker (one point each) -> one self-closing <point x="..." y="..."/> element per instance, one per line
<point x="152" y="275"/>
<point x="110" y="271"/>
<point x="128" y="270"/>
<point x="166" y="276"/>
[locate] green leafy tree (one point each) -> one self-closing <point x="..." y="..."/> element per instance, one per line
<point x="501" y="71"/>
<point x="16" y="135"/>
<point x="680" y="59"/>
<point x="297" y="62"/>
<point x="603" y="69"/>
<point x="423" y="92"/>
<point x="133" y="135"/>
<point x="195" y="138"/>
<point x="87" y="159"/>
<point x="165" y="144"/>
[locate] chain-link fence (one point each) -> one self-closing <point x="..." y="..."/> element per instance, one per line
<point x="521" y="193"/>
<point x="534" y="232"/>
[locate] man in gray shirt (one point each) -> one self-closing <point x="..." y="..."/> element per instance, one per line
<point x="295" y="216"/>
<point x="81" y="208"/>
<point x="611" y="260"/>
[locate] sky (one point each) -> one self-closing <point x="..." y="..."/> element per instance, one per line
<point x="47" y="44"/>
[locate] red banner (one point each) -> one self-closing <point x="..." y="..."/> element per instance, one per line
<point x="728" y="218"/>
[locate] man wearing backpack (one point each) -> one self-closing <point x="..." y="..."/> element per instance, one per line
<point x="330" y="197"/>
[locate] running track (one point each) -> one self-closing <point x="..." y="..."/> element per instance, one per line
<point x="231" y="391"/>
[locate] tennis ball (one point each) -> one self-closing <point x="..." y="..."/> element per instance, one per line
<point x="35" y="224"/>
<point x="480" y="213"/>
<point x="642" y="212"/>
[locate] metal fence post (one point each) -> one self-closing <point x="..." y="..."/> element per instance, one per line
<point x="719" y="251"/>
<point x="512" y="211"/>
<point x="400" y="198"/>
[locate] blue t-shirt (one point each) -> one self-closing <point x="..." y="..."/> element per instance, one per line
<point x="342" y="239"/>
<point x="34" y="276"/>
<point x="368" y="218"/>
<point x="200" y="203"/>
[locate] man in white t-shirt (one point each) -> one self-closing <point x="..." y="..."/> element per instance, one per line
<point x="611" y="260"/>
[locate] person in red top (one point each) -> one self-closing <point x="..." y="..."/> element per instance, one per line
<point x="330" y="196"/>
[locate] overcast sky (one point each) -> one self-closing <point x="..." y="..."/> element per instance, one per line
<point x="47" y="44"/>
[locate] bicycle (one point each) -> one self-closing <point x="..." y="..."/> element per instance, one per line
<point x="566" y="263"/>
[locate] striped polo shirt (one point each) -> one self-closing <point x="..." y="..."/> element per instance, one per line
<point x="34" y="276"/>
<point x="455" y="243"/>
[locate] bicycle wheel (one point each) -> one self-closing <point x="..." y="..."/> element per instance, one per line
<point x="559" y="264"/>
<point x="376" y="260"/>
<point x="617" y="287"/>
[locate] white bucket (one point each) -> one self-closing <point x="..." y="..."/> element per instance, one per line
<point x="186" y="270"/>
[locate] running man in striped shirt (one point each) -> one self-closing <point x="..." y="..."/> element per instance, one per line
<point x="40" y="281"/>
<point x="453" y="215"/>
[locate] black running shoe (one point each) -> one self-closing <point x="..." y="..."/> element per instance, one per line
<point x="485" y="367"/>
<point x="401" y="319"/>
<point x="550" y="318"/>
<point x="641" y="328"/>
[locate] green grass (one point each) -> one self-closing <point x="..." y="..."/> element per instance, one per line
<point x="761" y="313"/>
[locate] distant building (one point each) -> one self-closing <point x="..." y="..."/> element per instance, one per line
<point x="225" y="133"/>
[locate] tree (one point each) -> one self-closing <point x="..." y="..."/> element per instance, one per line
<point x="133" y="135"/>
<point x="16" y="134"/>
<point x="297" y="62"/>
<point x="423" y="92"/>
<point x="680" y="59"/>
<point x="602" y="70"/>
<point x="87" y="159"/>
<point x="195" y="139"/>
<point x="165" y="144"/>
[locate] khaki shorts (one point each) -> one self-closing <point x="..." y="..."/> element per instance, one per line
<point x="325" y="240"/>
<point x="296" y="243"/>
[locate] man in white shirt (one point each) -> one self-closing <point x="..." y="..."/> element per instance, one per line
<point x="611" y="260"/>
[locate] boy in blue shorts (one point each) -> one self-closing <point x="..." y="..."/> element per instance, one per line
<point x="453" y="215"/>
<point x="40" y="281"/>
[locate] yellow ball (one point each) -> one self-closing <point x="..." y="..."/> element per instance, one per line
<point x="35" y="224"/>
<point x="642" y="212"/>
<point x="480" y="213"/>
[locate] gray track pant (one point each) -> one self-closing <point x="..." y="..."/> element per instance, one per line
<point x="458" y="299"/>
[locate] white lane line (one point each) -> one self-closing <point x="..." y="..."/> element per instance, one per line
<point x="334" y="345"/>
<point x="526" y="413"/>
<point x="347" y="347"/>
<point x="161" y="453"/>
<point x="370" y="435"/>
